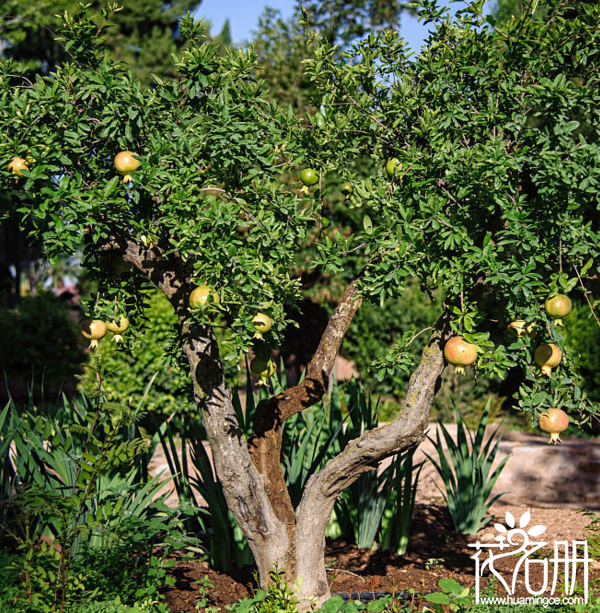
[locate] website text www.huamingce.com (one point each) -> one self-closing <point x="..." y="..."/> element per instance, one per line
<point x="534" y="600"/>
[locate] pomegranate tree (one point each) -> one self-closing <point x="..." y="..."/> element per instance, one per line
<point x="476" y="213"/>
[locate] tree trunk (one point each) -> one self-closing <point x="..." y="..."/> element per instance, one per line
<point x="250" y="472"/>
<point x="301" y="550"/>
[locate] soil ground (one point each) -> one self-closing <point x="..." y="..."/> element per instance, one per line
<point x="553" y="483"/>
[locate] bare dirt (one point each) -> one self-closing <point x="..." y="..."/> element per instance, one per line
<point x="553" y="484"/>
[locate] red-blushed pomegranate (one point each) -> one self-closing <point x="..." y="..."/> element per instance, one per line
<point x="262" y="323"/>
<point x="93" y="330"/>
<point x="548" y="357"/>
<point x="557" y="307"/>
<point x="553" y="421"/>
<point x="460" y="353"/>
<point x="117" y="328"/>
<point x="199" y="296"/>
<point x="125" y="163"/>
<point x="17" y="165"/>
<point x="263" y="367"/>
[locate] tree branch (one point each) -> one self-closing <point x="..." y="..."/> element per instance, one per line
<point x="365" y="453"/>
<point x="265" y="442"/>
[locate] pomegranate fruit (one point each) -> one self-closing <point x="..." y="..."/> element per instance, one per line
<point x="117" y="328"/>
<point x="460" y="353"/>
<point x="93" y="330"/>
<point x="17" y="165"/>
<point x="553" y="421"/>
<point x="547" y="357"/>
<point x="390" y="167"/>
<point x="125" y="163"/>
<point x="262" y="323"/>
<point x="309" y="177"/>
<point x="557" y="307"/>
<point x="263" y="367"/>
<point x="346" y="189"/>
<point x="520" y="327"/>
<point x="199" y="296"/>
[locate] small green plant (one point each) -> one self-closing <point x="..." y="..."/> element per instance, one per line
<point x="468" y="476"/>
<point x="205" y="586"/>
<point x="378" y="504"/>
<point x="452" y="595"/>
<point x="279" y="597"/>
<point x="434" y="563"/>
<point x="80" y="508"/>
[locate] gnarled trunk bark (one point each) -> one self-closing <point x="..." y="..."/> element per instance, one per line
<point x="250" y="472"/>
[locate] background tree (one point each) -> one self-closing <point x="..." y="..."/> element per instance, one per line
<point x="493" y="199"/>
<point x="143" y="35"/>
<point x="342" y="21"/>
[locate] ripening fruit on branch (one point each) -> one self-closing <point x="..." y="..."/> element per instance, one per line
<point x="547" y="357"/>
<point x="553" y="421"/>
<point x="390" y="167"/>
<point x="262" y="323"/>
<point x="125" y="163"/>
<point x="199" y="296"/>
<point x="17" y="165"/>
<point x="309" y="177"/>
<point x="117" y="328"/>
<point x="346" y="189"/>
<point x="263" y="367"/>
<point x="93" y="330"/>
<point x="557" y="307"/>
<point x="460" y="353"/>
<point x="520" y="327"/>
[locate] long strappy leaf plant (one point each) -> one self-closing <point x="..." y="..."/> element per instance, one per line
<point x="467" y="472"/>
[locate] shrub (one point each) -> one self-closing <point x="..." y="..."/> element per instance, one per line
<point x="40" y="344"/>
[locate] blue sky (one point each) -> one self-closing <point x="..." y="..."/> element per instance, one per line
<point x="243" y="16"/>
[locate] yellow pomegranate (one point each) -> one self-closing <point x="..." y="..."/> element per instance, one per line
<point x="262" y="323"/>
<point x="548" y="357"/>
<point x="117" y="328"/>
<point x="93" y="330"/>
<point x="557" y="307"/>
<point x="125" y="163"/>
<point x="520" y="327"/>
<point x="17" y="165"/>
<point x="200" y="295"/>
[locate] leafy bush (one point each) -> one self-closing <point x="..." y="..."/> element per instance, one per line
<point x="40" y="343"/>
<point x="583" y="337"/>
<point x="82" y="515"/>
<point x="136" y="363"/>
